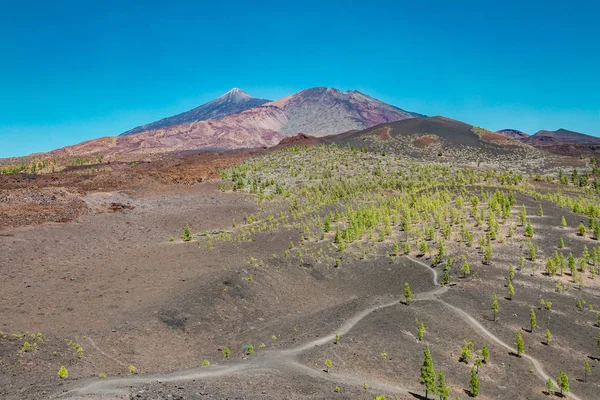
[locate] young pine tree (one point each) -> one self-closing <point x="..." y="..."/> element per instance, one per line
<point x="532" y="320"/>
<point x="446" y="278"/>
<point x="529" y="230"/>
<point x="407" y="293"/>
<point x="474" y="383"/>
<point x="420" y="330"/>
<point x="465" y="352"/>
<point x="563" y="222"/>
<point x="581" y="229"/>
<point x="550" y="386"/>
<point x="548" y="336"/>
<point x="511" y="290"/>
<point x="494" y="305"/>
<point x="443" y="390"/>
<point x="519" y="344"/>
<point x="466" y="270"/>
<point x="187" y="234"/>
<point x="563" y="382"/>
<point x="485" y="353"/>
<point x="427" y="377"/>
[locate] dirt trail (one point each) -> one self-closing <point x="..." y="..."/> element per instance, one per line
<point x="287" y="359"/>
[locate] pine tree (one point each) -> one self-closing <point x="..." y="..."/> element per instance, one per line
<point x="529" y="230"/>
<point x="519" y="344"/>
<point x="494" y="305"/>
<point x="511" y="290"/>
<point x="226" y="352"/>
<point x="474" y="383"/>
<point x="485" y="353"/>
<point x="581" y="229"/>
<point x="521" y="262"/>
<point x="563" y="222"/>
<point x="420" y="329"/>
<point x="523" y="216"/>
<point x="532" y="319"/>
<point x="478" y="362"/>
<point x="511" y="272"/>
<point x="548" y="336"/>
<point x="407" y="293"/>
<point x="465" y="352"/>
<point x="446" y="278"/>
<point x="550" y="386"/>
<point x="540" y="211"/>
<point x="563" y="382"/>
<point x="466" y="269"/>
<point x="443" y="390"/>
<point x="561" y="243"/>
<point x="187" y="234"/>
<point x="428" y="373"/>
<point x="328" y="364"/>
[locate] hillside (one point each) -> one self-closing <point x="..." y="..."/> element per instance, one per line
<point x="560" y="136"/>
<point x="253" y="128"/>
<point x="513" y="133"/>
<point x="325" y="111"/>
<point x="233" y="102"/>
<point x="442" y="139"/>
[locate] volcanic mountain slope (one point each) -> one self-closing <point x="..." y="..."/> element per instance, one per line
<point x="325" y="111"/>
<point x="253" y="128"/>
<point x="442" y="139"/>
<point x="513" y="133"/>
<point x="316" y="112"/>
<point x="233" y="102"/>
<point x="561" y="136"/>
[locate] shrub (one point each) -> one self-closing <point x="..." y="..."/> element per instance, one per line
<point x="63" y="373"/>
<point x="187" y="234"/>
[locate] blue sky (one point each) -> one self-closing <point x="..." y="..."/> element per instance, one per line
<point x="77" y="70"/>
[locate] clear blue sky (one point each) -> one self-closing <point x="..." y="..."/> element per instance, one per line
<point x="77" y="70"/>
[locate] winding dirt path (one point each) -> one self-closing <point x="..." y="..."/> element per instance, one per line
<point x="287" y="359"/>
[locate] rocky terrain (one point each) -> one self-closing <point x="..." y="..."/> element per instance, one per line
<point x="291" y="281"/>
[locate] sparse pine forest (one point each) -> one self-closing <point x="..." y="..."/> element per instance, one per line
<point x="489" y="275"/>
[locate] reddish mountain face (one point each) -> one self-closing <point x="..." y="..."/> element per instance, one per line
<point x="315" y="112"/>
<point x="561" y="136"/>
<point x="324" y="111"/>
<point x="513" y="133"/>
<point x="257" y="127"/>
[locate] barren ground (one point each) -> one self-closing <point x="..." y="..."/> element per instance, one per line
<point x="101" y="274"/>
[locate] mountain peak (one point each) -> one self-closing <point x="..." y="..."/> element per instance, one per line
<point x="235" y="95"/>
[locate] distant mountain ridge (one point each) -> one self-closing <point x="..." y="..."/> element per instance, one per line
<point x="233" y="102"/>
<point x="513" y="133"/>
<point x="560" y="136"/>
<point x="317" y="112"/>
